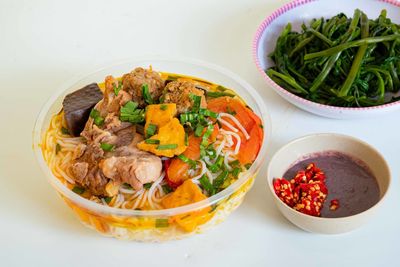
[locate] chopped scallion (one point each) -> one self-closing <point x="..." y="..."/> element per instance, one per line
<point x="64" y="131"/>
<point x="151" y="130"/>
<point x="117" y="88"/>
<point x="166" y="188"/>
<point x="152" y="141"/>
<point x="199" y="130"/>
<point x="206" y="184"/>
<point x="163" y="107"/>
<point x="107" y="147"/>
<point x="167" y="146"/>
<point x="187" y="160"/>
<point x="108" y="199"/>
<point x="218" y="182"/>
<point x="160" y="223"/>
<point x="95" y="114"/>
<point x="79" y="190"/>
<point x="146" y="94"/>
<point x="147" y="186"/>
<point x="196" y="102"/>
<point x="208" y="113"/>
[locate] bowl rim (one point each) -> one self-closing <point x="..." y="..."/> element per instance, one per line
<point x="95" y="207"/>
<point x="332" y="135"/>
<point x="256" y="41"/>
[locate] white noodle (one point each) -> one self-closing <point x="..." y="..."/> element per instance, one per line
<point x="238" y="124"/>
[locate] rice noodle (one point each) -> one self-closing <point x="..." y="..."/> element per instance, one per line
<point x="238" y="124"/>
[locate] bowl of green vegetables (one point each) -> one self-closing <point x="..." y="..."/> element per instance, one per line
<point x="338" y="59"/>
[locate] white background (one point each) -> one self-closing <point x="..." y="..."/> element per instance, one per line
<point x="44" y="43"/>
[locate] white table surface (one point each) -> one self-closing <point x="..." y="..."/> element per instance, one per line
<point x="43" y="43"/>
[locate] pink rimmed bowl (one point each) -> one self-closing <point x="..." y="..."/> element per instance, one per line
<point x="300" y="11"/>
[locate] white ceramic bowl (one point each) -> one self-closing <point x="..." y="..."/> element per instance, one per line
<point x="300" y="11"/>
<point x="288" y="154"/>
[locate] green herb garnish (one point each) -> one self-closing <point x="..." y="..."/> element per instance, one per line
<point x="206" y="184"/>
<point x="186" y="139"/>
<point x="147" y="186"/>
<point x="248" y="165"/>
<point x="107" y="147"/>
<point x="130" y="113"/>
<point x="161" y="223"/>
<point x="152" y="141"/>
<point x="199" y="130"/>
<point x="79" y="190"/>
<point x="64" y="131"/>
<point x="146" y="94"/>
<point x="167" y="146"/>
<point x="58" y="148"/>
<point x="217" y="165"/>
<point x="215" y="94"/>
<point x="218" y="182"/>
<point x="95" y="114"/>
<point x="208" y="113"/>
<point x="163" y="107"/>
<point x="151" y="130"/>
<point x="196" y="102"/>
<point x="166" y="188"/>
<point x="117" y="88"/>
<point x="108" y="199"/>
<point x="187" y="160"/>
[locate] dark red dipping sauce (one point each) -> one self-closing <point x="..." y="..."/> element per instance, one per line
<point x="348" y="180"/>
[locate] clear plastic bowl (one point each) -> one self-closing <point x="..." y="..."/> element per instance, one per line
<point x="182" y="221"/>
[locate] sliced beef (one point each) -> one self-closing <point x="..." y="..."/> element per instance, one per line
<point x="133" y="82"/>
<point x="77" y="106"/>
<point x="179" y="92"/>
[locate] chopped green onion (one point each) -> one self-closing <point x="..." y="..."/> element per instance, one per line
<point x="130" y="113"/>
<point x="127" y="186"/>
<point x="151" y="130"/>
<point x="188" y="117"/>
<point x="64" y="130"/>
<point x="58" y="148"/>
<point x="187" y="160"/>
<point x="167" y="146"/>
<point x="117" y="88"/>
<point x="196" y="102"/>
<point x="199" y="130"/>
<point x="217" y="183"/>
<point x="230" y="111"/>
<point x="108" y="199"/>
<point x="163" y="107"/>
<point x="166" y="188"/>
<point x="206" y="184"/>
<point x="261" y="126"/>
<point x="218" y="94"/>
<point x="107" y="147"/>
<point x="147" y="186"/>
<point x="235" y="163"/>
<point x="161" y="223"/>
<point x="235" y="172"/>
<point x="204" y="141"/>
<point x="95" y="114"/>
<point x="211" y="153"/>
<point x="152" y="141"/>
<point x="217" y="165"/>
<point x="248" y="165"/>
<point x="208" y="113"/>
<point x="79" y="190"/>
<point x="146" y="94"/>
<point x="186" y="139"/>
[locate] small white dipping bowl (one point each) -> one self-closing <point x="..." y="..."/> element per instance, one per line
<point x="293" y="151"/>
<point x="300" y="11"/>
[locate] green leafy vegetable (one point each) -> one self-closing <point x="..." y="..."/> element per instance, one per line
<point x="340" y="61"/>
<point x="218" y="182"/>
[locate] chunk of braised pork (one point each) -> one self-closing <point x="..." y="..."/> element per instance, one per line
<point x="179" y="92"/>
<point x="133" y="82"/>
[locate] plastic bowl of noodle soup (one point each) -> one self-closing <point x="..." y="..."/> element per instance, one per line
<point x="172" y="205"/>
